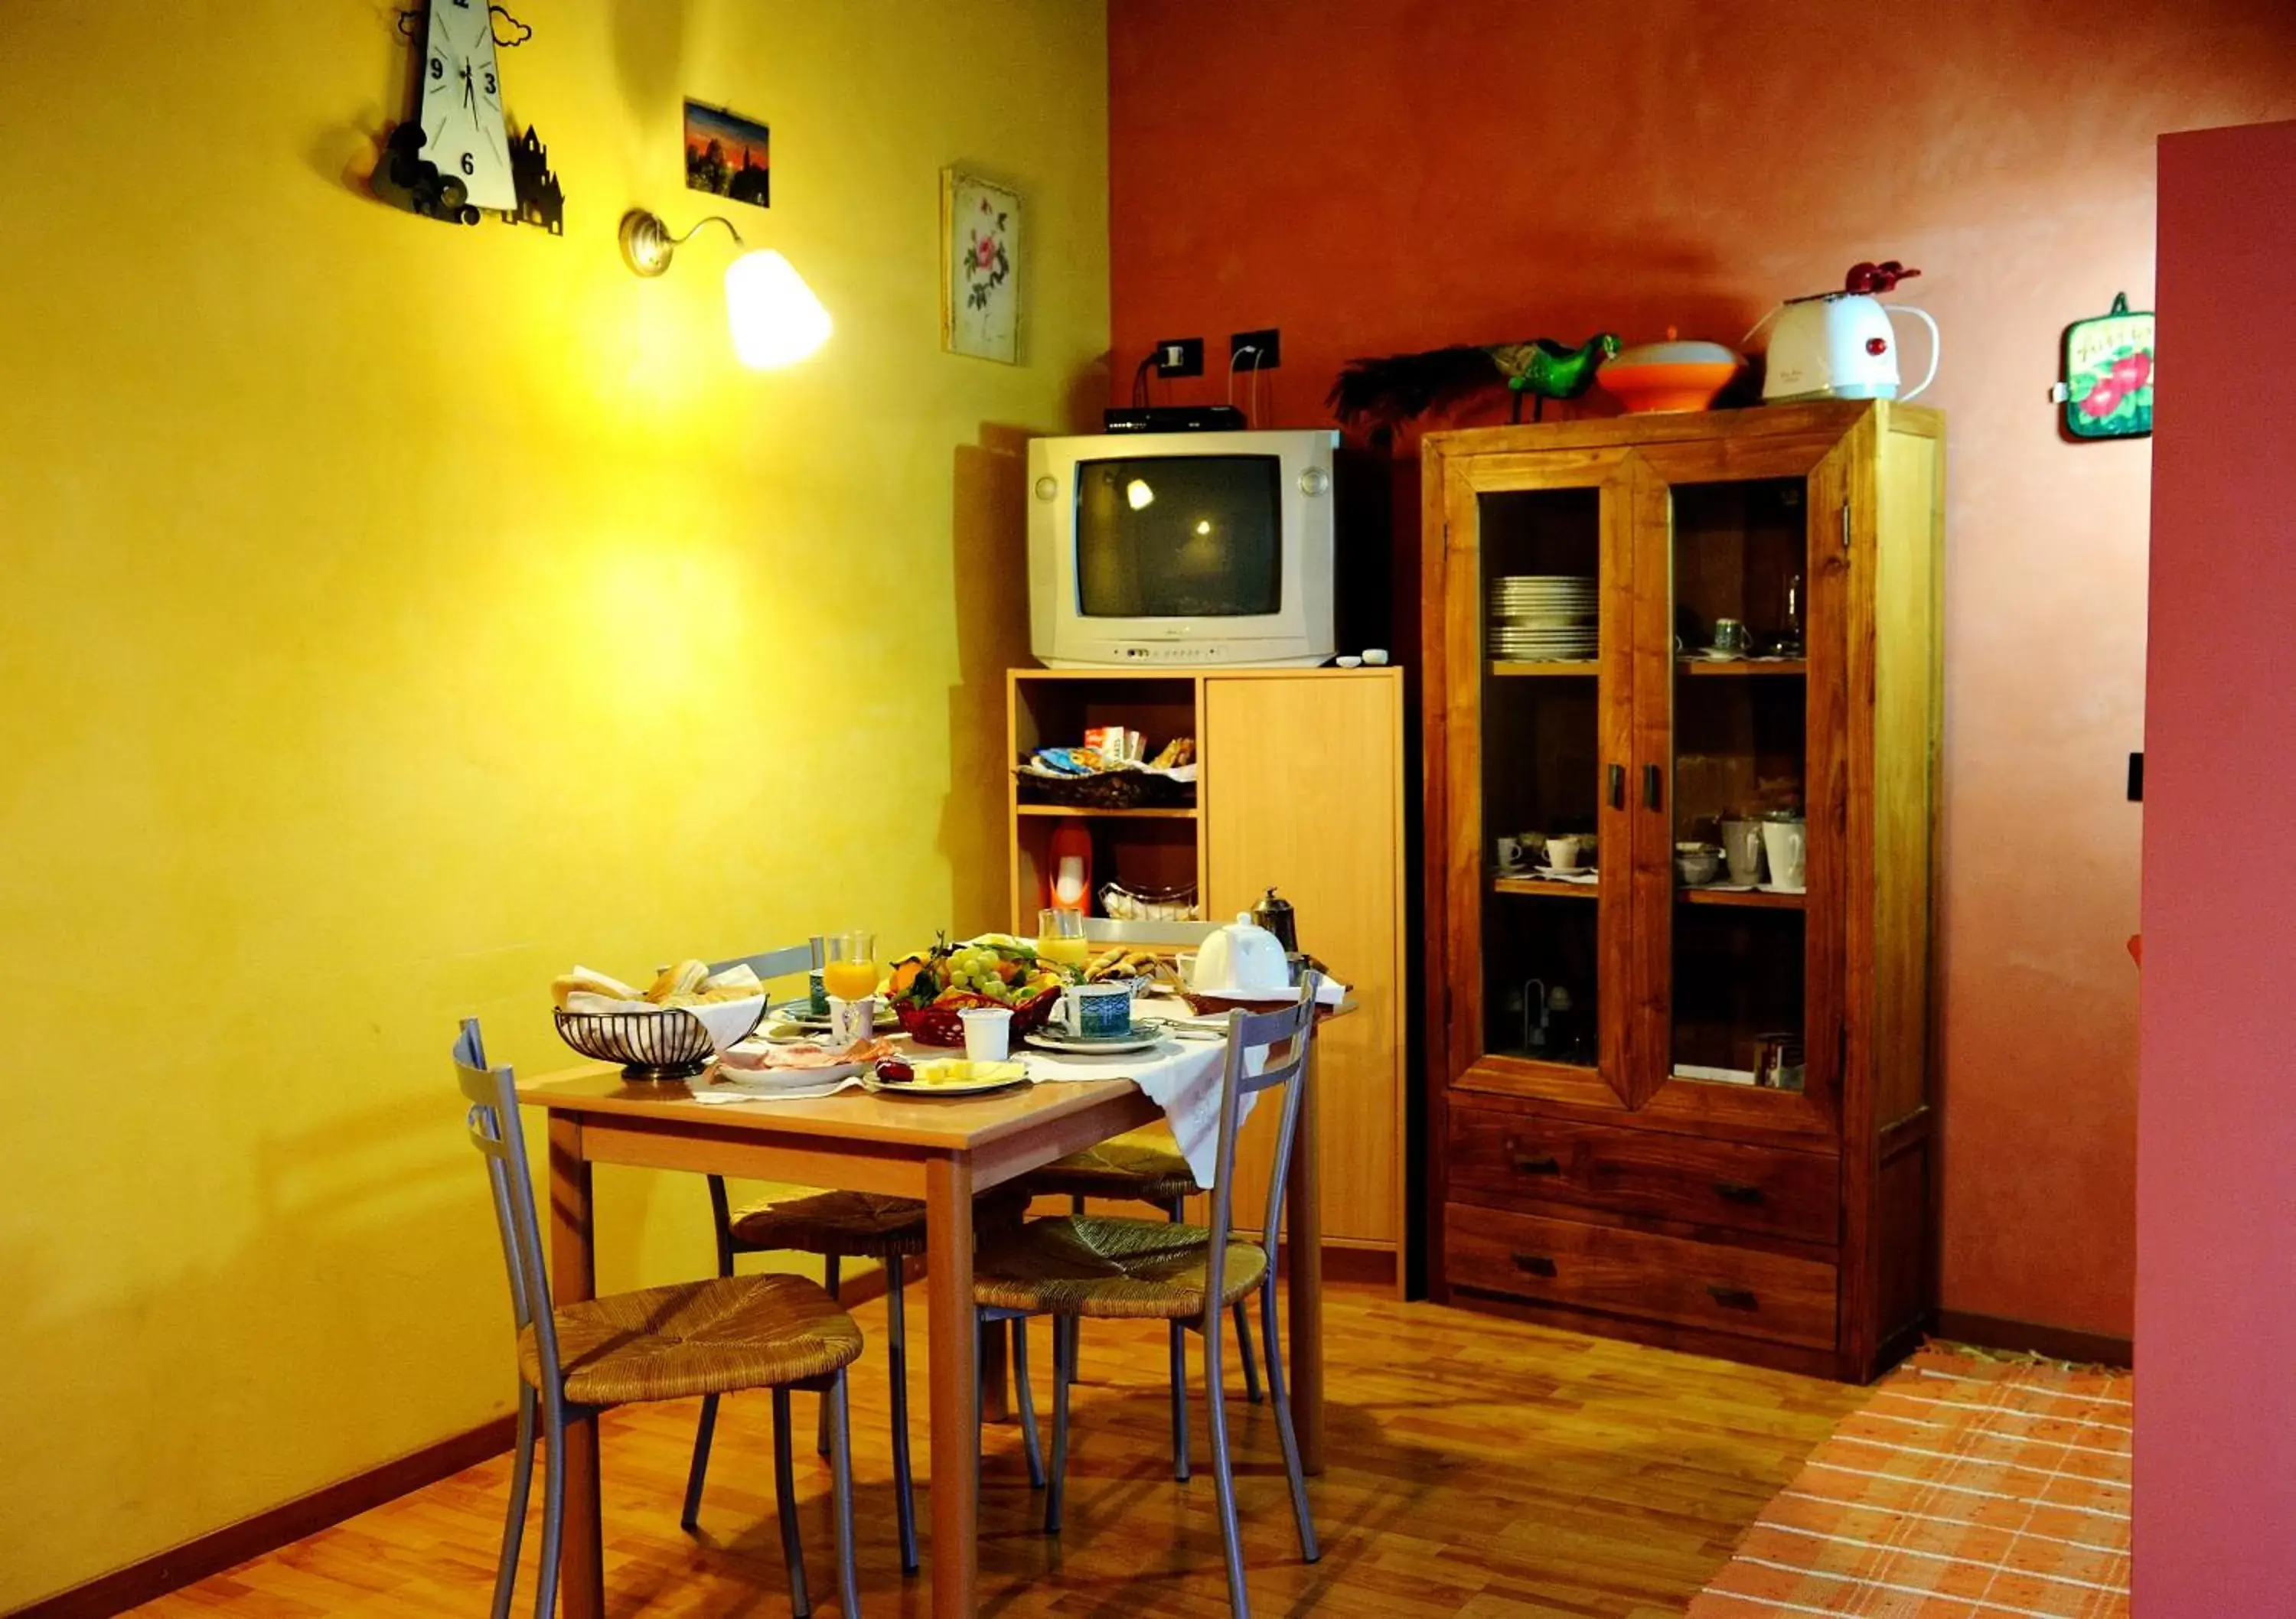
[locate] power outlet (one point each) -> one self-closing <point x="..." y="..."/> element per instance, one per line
<point x="1261" y="350"/>
<point x="1180" y="357"/>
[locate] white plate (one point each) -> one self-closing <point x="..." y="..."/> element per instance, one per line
<point x="974" y="1087"/>
<point x="783" y="1082"/>
<point x="792" y="1014"/>
<point x="1142" y="1038"/>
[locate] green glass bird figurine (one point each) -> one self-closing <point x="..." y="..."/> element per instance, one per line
<point x="1399" y="386"/>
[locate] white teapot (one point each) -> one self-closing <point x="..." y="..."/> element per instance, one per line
<point x="1242" y="957"/>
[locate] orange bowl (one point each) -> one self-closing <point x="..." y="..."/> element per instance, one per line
<point x="1693" y="385"/>
<point x="1670" y="376"/>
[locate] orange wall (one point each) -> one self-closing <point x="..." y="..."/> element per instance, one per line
<point x="1381" y="175"/>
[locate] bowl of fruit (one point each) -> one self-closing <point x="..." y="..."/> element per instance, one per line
<point x="927" y="990"/>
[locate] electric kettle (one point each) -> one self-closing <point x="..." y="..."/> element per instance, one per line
<point x="1840" y="345"/>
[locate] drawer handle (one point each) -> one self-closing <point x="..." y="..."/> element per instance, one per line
<point x="1537" y="1264"/>
<point x="1732" y="1298"/>
<point x="1737" y="1191"/>
<point x="1537" y="1167"/>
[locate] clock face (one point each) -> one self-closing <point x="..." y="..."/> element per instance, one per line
<point x="462" y="127"/>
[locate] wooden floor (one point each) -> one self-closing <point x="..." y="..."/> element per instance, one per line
<point x="1478" y="1467"/>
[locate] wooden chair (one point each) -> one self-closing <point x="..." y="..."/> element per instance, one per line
<point x="709" y="1338"/>
<point x="1081" y="1265"/>
<point x="836" y="1226"/>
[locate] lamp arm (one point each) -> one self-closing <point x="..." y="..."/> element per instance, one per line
<point x="679" y="242"/>
<point x="647" y="244"/>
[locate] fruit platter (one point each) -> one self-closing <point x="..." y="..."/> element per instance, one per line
<point x="929" y="989"/>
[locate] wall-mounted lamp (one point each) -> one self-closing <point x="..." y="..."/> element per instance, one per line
<point x="775" y="316"/>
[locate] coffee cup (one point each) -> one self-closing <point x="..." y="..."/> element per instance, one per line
<point x="1786" y="843"/>
<point x="1741" y="850"/>
<point x="1730" y="636"/>
<point x="851" y="1020"/>
<point x="1510" y="853"/>
<point x="1096" y="1011"/>
<point x="1564" y="854"/>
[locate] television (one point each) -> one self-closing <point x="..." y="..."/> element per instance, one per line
<point x="1177" y="549"/>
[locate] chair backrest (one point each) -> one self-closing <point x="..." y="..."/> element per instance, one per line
<point x="494" y="1132"/>
<point x="771" y="964"/>
<point x="1249" y="1032"/>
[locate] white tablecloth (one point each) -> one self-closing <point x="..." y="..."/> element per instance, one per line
<point x="1181" y="1077"/>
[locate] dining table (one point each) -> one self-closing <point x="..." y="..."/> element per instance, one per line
<point x="942" y="1150"/>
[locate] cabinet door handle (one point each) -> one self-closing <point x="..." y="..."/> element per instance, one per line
<point x="1537" y="1167"/>
<point x="1537" y="1264"/>
<point x="1731" y="1298"/>
<point x="1737" y="1191"/>
<point x="1618" y="787"/>
<point x="1650" y="786"/>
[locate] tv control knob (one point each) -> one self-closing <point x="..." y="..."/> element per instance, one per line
<point x="1047" y="487"/>
<point x="1315" y="482"/>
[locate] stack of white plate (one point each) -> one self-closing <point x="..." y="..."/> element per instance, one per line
<point x="1544" y="618"/>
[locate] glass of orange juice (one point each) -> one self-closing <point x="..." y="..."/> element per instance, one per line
<point x="851" y="970"/>
<point x="1059" y="938"/>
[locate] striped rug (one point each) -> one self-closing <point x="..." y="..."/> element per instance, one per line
<point x="1967" y="1488"/>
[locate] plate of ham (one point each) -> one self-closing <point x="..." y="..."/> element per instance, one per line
<point x="807" y="1066"/>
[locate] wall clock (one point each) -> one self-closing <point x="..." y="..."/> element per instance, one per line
<point x="463" y="135"/>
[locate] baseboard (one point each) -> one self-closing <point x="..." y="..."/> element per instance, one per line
<point x="323" y="1508"/>
<point x="2058" y="1343"/>
<point x="282" y="1526"/>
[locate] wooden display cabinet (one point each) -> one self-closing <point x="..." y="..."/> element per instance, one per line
<point x="1300" y="787"/>
<point x="1600" y="1156"/>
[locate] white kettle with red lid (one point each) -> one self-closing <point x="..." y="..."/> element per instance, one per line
<point x="1840" y="345"/>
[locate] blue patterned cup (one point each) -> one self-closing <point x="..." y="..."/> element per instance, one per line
<point x="1097" y="1012"/>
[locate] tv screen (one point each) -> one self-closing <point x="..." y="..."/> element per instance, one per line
<point x="1197" y="536"/>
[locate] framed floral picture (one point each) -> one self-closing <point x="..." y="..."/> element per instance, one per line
<point x="980" y="268"/>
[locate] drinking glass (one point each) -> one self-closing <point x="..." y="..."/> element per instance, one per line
<point x="1059" y="938"/>
<point x="850" y="971"/>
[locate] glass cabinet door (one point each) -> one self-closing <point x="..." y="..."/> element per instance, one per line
<point x="1546" y="659"/>
<point x="1744" y="947"/>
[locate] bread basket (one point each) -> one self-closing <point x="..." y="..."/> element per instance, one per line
<point x="666" y="1044"/>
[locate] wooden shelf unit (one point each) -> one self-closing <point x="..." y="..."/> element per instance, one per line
<point x="1300" y="786"/>
<point x="1614" y="1193"/>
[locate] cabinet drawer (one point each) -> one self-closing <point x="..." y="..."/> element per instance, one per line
<point x="1523" y="1161"/>
<point x="1667" y="1279"/>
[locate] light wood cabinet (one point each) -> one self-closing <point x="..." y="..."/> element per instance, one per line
<point x="1602" y="1150"/>
<point x="1301" y="788"/>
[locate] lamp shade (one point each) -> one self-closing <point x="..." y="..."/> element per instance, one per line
<point x="775" y="316"/>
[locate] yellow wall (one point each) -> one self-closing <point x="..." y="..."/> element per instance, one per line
<point x="392" y="614"/>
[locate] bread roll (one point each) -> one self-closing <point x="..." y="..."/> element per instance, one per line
<point x="584" y="980"/>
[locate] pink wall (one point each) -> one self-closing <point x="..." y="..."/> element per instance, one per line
<point x="1381" y="175"/>
<point x="2216" y="1192"/>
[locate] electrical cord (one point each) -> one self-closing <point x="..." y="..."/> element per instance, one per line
<point x="1140" y="378"/>
<point x="1251" y="388"/>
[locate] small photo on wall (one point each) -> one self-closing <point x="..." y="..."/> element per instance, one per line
<point x="728" y="155"/>
<point x="980" y="266"/>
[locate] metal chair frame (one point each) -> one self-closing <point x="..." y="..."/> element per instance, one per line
<point x="782" y="963"/>
<point x="493" y="1122"/>
<point x="1247" y="1032"/>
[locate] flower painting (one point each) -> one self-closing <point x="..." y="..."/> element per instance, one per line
<point x="980" y="264"/>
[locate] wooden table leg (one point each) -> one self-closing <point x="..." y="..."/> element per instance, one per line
<point x="1303" y="1214"/>
<point x="574" y="1277"/>
<point x="956" y="1367"/>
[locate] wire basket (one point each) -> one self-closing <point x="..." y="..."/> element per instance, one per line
<point x="666" y="1044"/>
<point x="1106" y="789"/>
